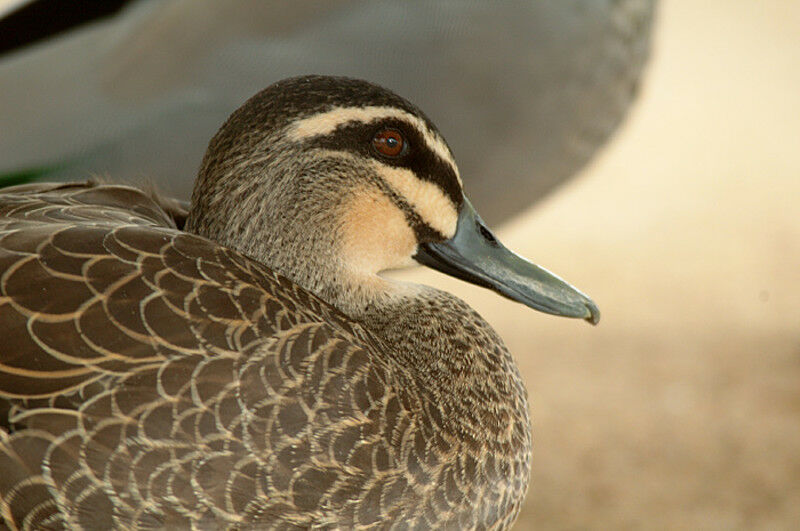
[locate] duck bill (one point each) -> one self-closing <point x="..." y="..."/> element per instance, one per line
<point x="476" y="256"/>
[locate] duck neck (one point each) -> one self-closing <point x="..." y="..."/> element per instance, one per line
<point x="450" y="350"/>
<point x="432" y="335"/>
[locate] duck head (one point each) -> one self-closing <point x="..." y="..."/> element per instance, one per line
<point x="331" y="181"/>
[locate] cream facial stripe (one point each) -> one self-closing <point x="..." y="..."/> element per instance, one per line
<point x="327" y="122"/>
<point x="427" y="199"/>
<point x="424" y="197"/>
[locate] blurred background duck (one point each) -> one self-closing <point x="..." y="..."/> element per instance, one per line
<point x="527" y="91"/>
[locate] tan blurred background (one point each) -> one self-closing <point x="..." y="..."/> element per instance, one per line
<point x="681" y="410"/>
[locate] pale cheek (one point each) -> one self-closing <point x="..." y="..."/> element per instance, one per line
<point x="375" y="234"/>
<point x="427" y="199"/>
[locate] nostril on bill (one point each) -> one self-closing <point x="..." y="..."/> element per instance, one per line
<point x="487" y="234"/>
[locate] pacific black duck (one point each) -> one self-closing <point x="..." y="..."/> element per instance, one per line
<point x="243" y="364"/>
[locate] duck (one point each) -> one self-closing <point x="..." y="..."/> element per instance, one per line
<point x="500" y="77"/>
<point x="242" y="362"/>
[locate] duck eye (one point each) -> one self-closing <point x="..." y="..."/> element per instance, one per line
<point x="389" y="142"/>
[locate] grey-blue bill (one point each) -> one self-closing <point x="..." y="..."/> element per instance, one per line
<point x="475" y="255"/>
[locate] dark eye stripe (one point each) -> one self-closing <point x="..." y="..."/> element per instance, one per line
<point x="356" y="137"/>
<point x="423" y="231"/>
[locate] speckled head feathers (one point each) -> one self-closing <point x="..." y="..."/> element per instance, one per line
<point x="298" y="164"/>
<point x="299" y="97"/>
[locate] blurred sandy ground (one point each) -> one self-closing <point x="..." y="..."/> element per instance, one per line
<point x="681" y="410"/>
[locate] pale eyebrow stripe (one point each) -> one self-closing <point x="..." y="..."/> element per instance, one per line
<point x="327" y="122"/>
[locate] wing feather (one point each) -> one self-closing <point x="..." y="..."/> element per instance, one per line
<point x="150" y="378"/>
